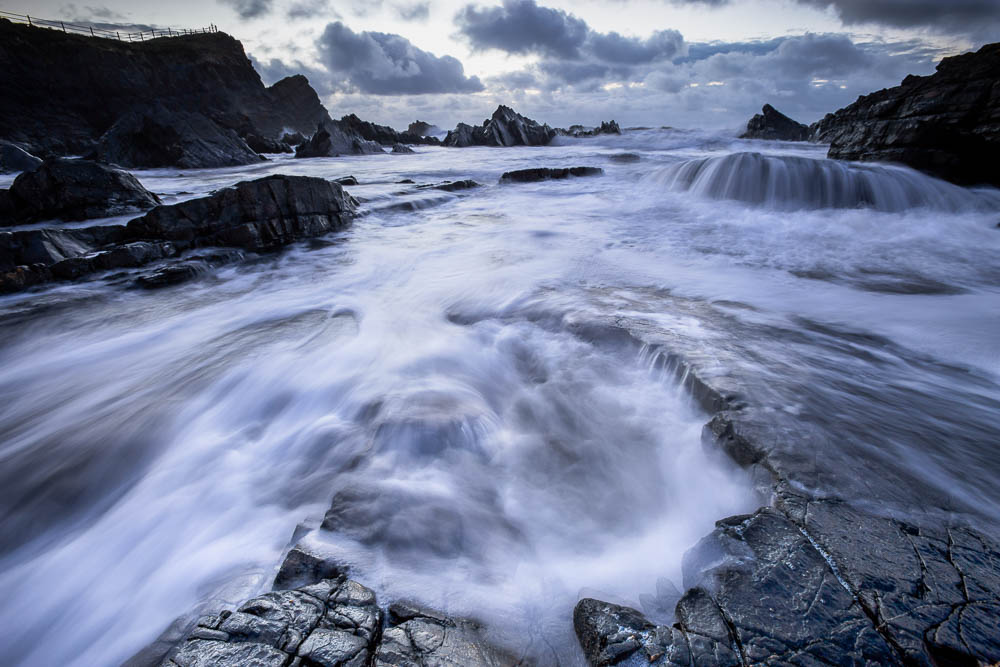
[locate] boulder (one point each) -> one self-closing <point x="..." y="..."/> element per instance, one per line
<point x="422" y="129"/>
<point x="773" y="125"/>
<point x="402" y="149"/>
<point x="160" y="138"/>
<point x="505" y="127"/>
<point x="13" y="158"/>
<point x="254" y="215"/>
<point x="74" y="190"/>
<point x="946" y="124"/>
<point x="335" y="138"/>
<point x="450" y="186"/>
<point x="545" y="173"/>
<point x="260" y="144"/>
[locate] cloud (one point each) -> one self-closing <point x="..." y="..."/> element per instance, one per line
<point x="250" y="9"/>
<point x="417" y="11"/>
<point x="522" y="26"/>
<point x="386" y="64"/>
<point x="309" y="9"/>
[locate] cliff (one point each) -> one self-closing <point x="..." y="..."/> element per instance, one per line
<point x="946" y="124"/>
<point x="61" y="92"/>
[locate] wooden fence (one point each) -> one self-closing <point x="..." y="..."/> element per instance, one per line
<point x="91" y="31"/>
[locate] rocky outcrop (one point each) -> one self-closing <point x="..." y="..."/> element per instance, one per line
<point x="606" y="127"/>
<point x="160" y="138"/>
<point x="63" y="91"/>
<point x="505" y="128"/>
<point x="333" y="139"/>
<point x="422" y="129"/>
<point x="333" y="622"/>
<point x="545" y="174"/>
<point x="254" y="215"/>
<point x="13" y="158"/>
<point x="946" y="124"/>
<point x="259" y="215"/>
<point x="402" y="149"/>
<point x="773" y="125"/>
<point x="74" y="190"/>
<point x="381" y="134"/>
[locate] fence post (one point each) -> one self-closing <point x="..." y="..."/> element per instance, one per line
<point x="63" y="26"/>
<point x="29" y="21"/>
<point x="91" y="31"/>
<point x="118" y="35"/>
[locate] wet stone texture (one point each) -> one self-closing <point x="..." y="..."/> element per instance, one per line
<point x="816" y="582"/>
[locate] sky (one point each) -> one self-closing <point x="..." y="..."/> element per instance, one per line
<point x="683" y="63"/>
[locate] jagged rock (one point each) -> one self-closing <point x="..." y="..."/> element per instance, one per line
<point x="186" y="269"/>
<point x="606" y="127"/>
<point x="422" y="129"/>
<point x="61" y="92"/>
<point x="816" y="582"/>
<point x="333" y="139"/>
<point x="946" y="124"/>
<point x="773" y="125"/>
<point x="13" y="158"/>
<point x="293" y="139"/>
<point x="161" y="138"/>
<point x="401" y="148"/>
<point x="381" y="134"/>
<point x="417" y="636"/>
<point x="346" y="180"/>
<point x="303" y="565"/>
<point x="544" y="174"/>
<point x="331" y="623"/>
<point x="75" y="190"/>
<point x="505" y="128"/>
<point x="255" y="215"/>
<point x="260" y="144"/>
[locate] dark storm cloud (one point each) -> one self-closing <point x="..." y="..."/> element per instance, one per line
<point x="387" y="64"/>
<point x="522" y="26"/>
<point x="250" y="9"/>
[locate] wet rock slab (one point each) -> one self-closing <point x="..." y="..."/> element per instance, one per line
<point x="545" y="174"/>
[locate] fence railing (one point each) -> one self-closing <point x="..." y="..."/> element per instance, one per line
<point x="92" y="31"/>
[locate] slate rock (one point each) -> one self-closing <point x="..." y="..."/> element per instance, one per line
<point x="335" y="138"/>
<point x="13" y="158"/>
<point x="402" y="149"/>
<point x="505" y="127"/>
<point x="545" y="174"/>
<point x="157" y="137"/>
<point x="75" y="190"/>
<point x="773" y="125"/>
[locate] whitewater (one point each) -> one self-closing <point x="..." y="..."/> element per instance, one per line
<point x="485" y="386"/>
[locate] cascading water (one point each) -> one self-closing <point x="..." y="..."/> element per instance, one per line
<point x="791" y="183"/>
<point x="448" y="387"/>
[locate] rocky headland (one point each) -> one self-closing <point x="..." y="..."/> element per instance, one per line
<point x="946" y="124"/>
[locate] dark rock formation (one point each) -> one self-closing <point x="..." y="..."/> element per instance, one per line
<point x="259" y="144"/>
<point x="420" y="128"/>
<point x="335" y="138"/>
<point x="450" y="186"/>
<point x="402" y="149"/>
<point x="160" y="138"/>
<point x="74" y="190"/>
<point x="330" y="623"/>
<point x="505" y="128"/>
<point x="346" y="180"/>
<point x="63" y="91"/>
<point x="606" y="127"/>
<point x="544" y="174"/>
<point x="255" y="215"/>
<point x="187" y="269"/>
<point x="773" y="125"/>
<point x="946" y="124"/>
<point x="13" y="158"/>
<point x="381" y="134"/>
<point x="815" y="581"/>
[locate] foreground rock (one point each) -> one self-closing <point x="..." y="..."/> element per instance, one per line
<point x="259" y="215"/>
<point x="544" y="174"/>
<point x="505" y="128"/>
<point x="73" y="190"/>
<point x="816" y="582"/>
<point x="946" y="124"/>
<point x="161" y="138"/>
<point x="13" y="158"/>
<point x="773" y="125"/>
<point x="334" y="622"/>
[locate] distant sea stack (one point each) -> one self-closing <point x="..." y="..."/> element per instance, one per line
<point x="62" y="92"/>
<point x="774" y="125"/>
<point x="946" y="124"/>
